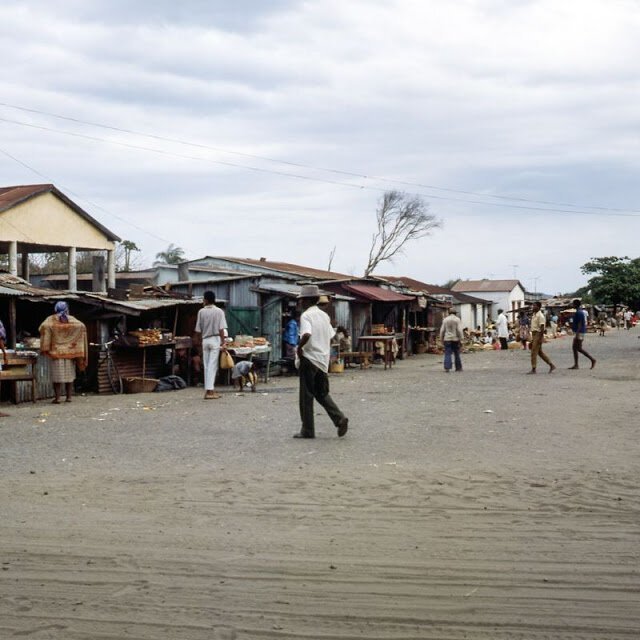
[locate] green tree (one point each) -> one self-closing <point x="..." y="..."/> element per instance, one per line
<point x="172" y="255"/>
<point x="617" y="280"/>
<point x="127" y="248"/>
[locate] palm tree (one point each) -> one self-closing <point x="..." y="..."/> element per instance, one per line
<point x="127" y="247"/>
<point x="172" y="255"/>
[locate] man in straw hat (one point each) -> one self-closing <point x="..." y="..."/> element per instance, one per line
<point x="314" y="351"/>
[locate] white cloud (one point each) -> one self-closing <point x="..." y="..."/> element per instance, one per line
<point x="532" y="99"/>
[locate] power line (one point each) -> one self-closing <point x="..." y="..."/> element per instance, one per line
<point x="610" y="212"/>
<point x="76" y="195"/>
<point x="308" y="166"/>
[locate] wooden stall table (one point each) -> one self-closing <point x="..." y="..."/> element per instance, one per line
<point x="20" y="366"/>
<point x="367" y="343"/>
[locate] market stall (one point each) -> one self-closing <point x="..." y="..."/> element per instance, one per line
<point x="253" y="348"/>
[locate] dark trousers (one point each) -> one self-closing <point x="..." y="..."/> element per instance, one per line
<point x="452" y="347"/>
<point x="503" y="343"/>
<point x="314" y="384"/>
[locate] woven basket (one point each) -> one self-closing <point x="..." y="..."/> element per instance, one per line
<point x="140" y="385"/>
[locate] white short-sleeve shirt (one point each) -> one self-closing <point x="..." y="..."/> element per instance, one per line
<point x="317" y="324"/>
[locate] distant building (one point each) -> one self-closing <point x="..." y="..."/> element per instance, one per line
<point x="508" y="295"/>
<point x="39" y="218"/>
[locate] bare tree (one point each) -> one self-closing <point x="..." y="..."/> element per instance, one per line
<point x="401" y="218"/>
<point x="331" y="256"/>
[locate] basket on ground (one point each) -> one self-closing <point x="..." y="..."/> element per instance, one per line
<point x="140" y="385"/>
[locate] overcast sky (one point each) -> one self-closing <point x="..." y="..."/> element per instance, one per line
<point x="262" y="119"/>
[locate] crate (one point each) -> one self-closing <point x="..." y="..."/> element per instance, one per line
<point x="139" y="385"/>
<point x="336" y="367"/>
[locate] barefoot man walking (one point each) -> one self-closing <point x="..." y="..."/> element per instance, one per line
<point x="537" y="336"/>
<point x="579" y="326"/>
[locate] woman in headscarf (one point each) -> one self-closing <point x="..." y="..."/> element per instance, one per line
<point x="64" y="339"/>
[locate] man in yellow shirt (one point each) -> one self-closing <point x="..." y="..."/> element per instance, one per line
<point x="537" y="336"/>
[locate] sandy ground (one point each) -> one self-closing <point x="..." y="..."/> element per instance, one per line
<point x="487" y="504"/>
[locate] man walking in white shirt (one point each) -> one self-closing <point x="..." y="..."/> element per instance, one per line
<point x="210" y="326"/>
<point x="502" y="326"/>
<point x="314" y="350"/>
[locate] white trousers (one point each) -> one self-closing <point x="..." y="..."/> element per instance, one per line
<point x="210" y="361"/>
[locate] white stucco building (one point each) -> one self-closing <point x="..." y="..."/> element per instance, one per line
<point x="501" y="294"/>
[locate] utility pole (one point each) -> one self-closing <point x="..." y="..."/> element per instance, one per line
<point x="515" y="267"/>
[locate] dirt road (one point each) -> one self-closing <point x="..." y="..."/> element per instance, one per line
<point x="482" y="505"/>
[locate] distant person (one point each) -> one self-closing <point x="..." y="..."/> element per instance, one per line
<point x="602" y="323"/>
<point x="243" y="373"/>
<point x="524" y="329"/>
<point x="63" y="339"/>
<point x="343" y="339"/>
<point x="537" y="338"/>
<point x="211" y="326"/>
<point x="502" y="326"/>
<point x="314" y="352"/>
<point x="579" y="327"/>
<point x="628" y="317"/>
<point x="291" y="335"/>
<point x="553" y="324"/>
<point x="451" y="336"/>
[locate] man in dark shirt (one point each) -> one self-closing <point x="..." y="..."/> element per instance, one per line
<point x="579" y="326"/>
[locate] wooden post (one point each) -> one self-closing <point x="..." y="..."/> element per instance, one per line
<point x="12" y="323"/>
<point x="25" y="265"/>
<point x="99" y="283"/>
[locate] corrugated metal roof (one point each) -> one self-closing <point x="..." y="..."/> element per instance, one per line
<point x="294" y="289"/>
<point x="144" y="304"/>
<point x="469" y="286"/>
<point x="286" y="267"/>
<point x="16" y="286"/>
<point x="377" y="294"/>
<point x="434" y="289"/>
<point x="12" y="196"/>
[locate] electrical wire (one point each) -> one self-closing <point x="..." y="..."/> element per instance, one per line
<point x="609" y="212"/>
<point x="312" y="167"/>
<point x="78" y="196"/>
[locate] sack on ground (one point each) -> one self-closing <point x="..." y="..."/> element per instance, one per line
<point x="226" y="361"/>
<point x="170" y="383"/>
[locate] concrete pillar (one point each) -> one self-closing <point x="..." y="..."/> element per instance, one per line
<point x="111" y="269"/>
<point x="73" y="270"/>
<point x="13" y="257"/>
<point x="25" y="265"/>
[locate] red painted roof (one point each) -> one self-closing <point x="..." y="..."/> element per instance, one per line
<point x="287" y="267"/>
<point x="377" y="294"/>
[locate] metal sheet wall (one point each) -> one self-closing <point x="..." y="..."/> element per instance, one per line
<point x="342" y="312"/>
<point x="360" y="324"/>
<point x="272" y="323"/>
<point x="44" y="386"/>
<point x="237" y="292"/>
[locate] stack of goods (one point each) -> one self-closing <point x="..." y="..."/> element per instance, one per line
<point x="260" y="342"/>
<point x="378" y="330"/>
<point x="243" y="341"/>
<point x="147" y="336"/>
